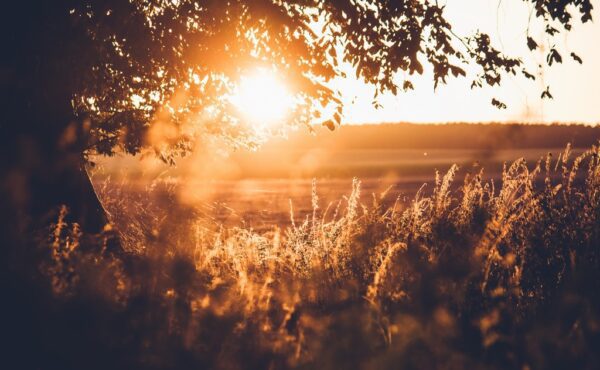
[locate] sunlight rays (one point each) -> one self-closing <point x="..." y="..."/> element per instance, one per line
<point x="263" y="99"/>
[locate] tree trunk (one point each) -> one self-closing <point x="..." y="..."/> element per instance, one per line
<point x="41" y="139"/>
<point x="38" y="183"/>
<point x="68" y="184"/>
<point x="41" y="167"/>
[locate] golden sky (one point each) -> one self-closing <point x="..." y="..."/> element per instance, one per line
<point x="576" y="88"/>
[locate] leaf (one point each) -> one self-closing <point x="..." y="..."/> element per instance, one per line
<point x="416" y="66"/>
<point x="528" y="75"/>
<point x="332" y="52"/>
<point x="551" y="30"/>
<point x="553" y="56"/>
<point x="329" y="124"/>
<point x="498" y="104"/>
<point x="407" y="86"/>
<point x="546" y="93"/>
<point x="457" y="71"/>
<point x="337" y="117"/>
<point x="531" y="44"/>
<point x="576" y="58"/>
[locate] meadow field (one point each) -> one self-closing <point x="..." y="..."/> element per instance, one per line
<point x="494" y="264"/>
<point x="258" y="189"/>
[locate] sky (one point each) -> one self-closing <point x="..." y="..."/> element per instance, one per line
<point x="575" y="87"/>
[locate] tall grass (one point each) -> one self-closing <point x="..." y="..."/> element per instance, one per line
<point x="474" y="275"/>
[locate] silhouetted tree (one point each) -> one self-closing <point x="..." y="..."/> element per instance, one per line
<point x="82" y="77"/>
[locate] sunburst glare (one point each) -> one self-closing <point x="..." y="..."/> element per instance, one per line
<point x="262" y="98"/>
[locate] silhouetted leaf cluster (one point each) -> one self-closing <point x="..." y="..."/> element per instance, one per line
<point x="178" y="58"/>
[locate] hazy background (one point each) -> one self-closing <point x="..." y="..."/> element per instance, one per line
<point x="259" y="188"/>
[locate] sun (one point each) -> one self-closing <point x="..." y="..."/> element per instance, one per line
<point x="262" y="98"/>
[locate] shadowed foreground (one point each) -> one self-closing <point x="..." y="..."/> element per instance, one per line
<point x="478" y="277"/>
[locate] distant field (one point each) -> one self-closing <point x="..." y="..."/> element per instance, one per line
<point x="255" y="188"/>
<point x="263" y="201"/>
